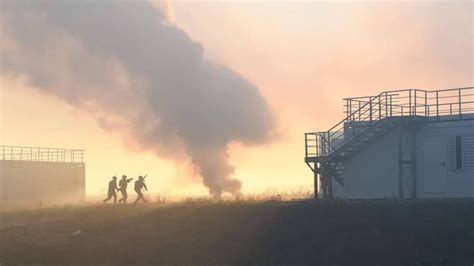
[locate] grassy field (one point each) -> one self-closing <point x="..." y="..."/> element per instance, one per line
<point x="242" y="233"/>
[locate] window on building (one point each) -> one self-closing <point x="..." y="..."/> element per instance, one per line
<point x="458" y="152"/>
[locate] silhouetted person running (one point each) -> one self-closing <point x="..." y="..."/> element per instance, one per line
<point x="112" y="190"/>
<point x="123" y="183"/>
<point x="139" y="184"/>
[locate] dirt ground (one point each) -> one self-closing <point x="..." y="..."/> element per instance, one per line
<point x="242" y="233"/>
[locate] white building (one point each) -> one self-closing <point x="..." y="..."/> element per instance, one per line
<point x="399" y="144"/>
<point x="33" y="175"/>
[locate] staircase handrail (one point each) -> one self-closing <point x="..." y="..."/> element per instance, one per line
<point x="365" y="105"/>
<point x="331" y="147"/>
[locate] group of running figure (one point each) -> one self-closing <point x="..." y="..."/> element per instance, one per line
<point x="122" y="187"/>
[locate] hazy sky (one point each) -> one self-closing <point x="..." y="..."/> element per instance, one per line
<point x="301" y="57"/>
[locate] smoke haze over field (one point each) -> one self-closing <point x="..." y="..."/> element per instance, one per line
<point x="303" y="56"/>
<point x="139" y="76"/>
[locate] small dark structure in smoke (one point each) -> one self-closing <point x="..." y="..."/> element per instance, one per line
<point x="139" y="76"/>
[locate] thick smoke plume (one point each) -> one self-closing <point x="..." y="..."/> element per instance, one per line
<point x="140" y="76"/>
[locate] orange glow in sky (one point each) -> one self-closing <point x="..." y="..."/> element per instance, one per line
<point x="304" y="57"/>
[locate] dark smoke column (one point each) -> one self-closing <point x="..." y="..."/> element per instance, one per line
<point x="139" y="75"/>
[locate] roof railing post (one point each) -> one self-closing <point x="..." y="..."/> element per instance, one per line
<point x="305" y="145"/>
<point x="380" y="109"/>
<point x="426" y="104"/>
<point x="437" y="104"/>
<point x="359" y="111"/>
<point x="323" y="144"/>
<point x="370" y="108"/>
<point x="391" y="105"/>
<point x="317" y="144"/>
<point x="320" y="145"/>
<point x="416" y="111"/>
<point x="409" y="103"/>
<point x="329" y="142"/>
<point x="386" y="104"/>
<point x="347" y="109"/>
<point x="459" y="95"/>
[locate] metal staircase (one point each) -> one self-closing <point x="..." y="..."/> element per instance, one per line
<point x="369" y="118"/>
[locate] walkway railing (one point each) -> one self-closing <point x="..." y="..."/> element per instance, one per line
<point x="370" y="109"/>
<point x="39" y="154"/>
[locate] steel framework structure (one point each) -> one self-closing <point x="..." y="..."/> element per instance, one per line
<point x="40" y="154"/>
<point x="368" y="118"/>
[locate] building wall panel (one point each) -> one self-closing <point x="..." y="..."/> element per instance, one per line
<point x="372" y="173"/>
<point x="459" y="183"/>
<point x="24" y="181"/>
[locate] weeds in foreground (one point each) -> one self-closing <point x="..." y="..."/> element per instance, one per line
<point x="158" y="199"/>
